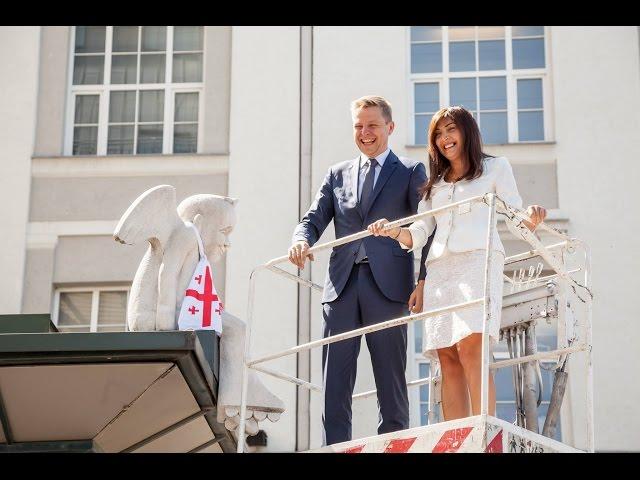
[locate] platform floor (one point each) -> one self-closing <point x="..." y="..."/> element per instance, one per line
<point x="471" y="434"/>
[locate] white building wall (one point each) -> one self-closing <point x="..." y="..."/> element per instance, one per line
<point x="19" y="56"/>
<point x="264" y="175"/>
<point x="597" y="116"/>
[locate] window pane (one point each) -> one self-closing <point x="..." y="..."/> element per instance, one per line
<point x="491" y="55"/>
<point x="122" y="107"/>
<point x="187" y="38"/>
<point x="503" y="379"/>
<point x="421" y="126"/>
<point x="125" y="39"/>
<point x="530" y="126"/>
<point x="90" y="39"/>
<point x="152" y="68"/>
<point x="185" y="138"/>
<point x="124" y="69"/>
<point x="120" y="143"/>
<point x="490" y="32"/>
<point x="187" y="67"/>
<point x="186" y="109"/>
<point x="527" y="31"/>
<point x="462" y="91"/>
<point x="85" y="140"/>
<point x="528" y="53"/>
<point x="150" y="139"/>
<point x="427" y="97"/>
<point x="530" y="93"/>
<point x="112" y="309"/>
<point x="151" y="106"/>
<point x="547" y="382"/>
<point x="75" y="308"/>
<point x="154" y="39"/>
<point x="493" y="93"/>
<point x="462" y="33"/>
<point x="462" y="56"/>
<point x="423" y="372"/>
<point x="87" y="109"/>
<point x="418" y="325"/>
<point x="424" y="419"/>
<point x="493" y="127"/>
<point x="426" y="57"/>
<point x="426" y="34"/>
<point x="88" y="70"/>
<point x="506" y="412"/>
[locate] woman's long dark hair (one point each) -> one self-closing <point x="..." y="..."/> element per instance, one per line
<point x="438" y="163"/>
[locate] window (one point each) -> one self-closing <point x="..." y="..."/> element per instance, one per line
<point x="423" y="369"/>
<point x="135" y="90"/>
<point x="85" y="309"/>
<point x="498" y="73"/>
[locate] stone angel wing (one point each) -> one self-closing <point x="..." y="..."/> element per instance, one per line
<point x="152" y="216"/>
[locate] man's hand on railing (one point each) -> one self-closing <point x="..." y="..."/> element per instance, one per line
<point x="537" y="214"/>
<point x="298" y="254"/>
<point x="415" y="300"/>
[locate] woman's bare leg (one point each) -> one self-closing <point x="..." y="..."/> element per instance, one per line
<point x="455" y="393"/>
<point x="470" y="354"/>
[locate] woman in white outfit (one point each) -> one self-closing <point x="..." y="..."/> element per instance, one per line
<point x="459" y="169"/>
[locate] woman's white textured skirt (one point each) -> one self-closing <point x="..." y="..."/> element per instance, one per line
<point x="457" y="278"/>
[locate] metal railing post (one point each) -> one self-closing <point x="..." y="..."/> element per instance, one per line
<point x="589" y="332"/>
<point x="245" y="360"/>
<point x="484" y="389"/>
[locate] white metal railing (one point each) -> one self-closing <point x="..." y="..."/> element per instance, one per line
<point x="496" y="205"/>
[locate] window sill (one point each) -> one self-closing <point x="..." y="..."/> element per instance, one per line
<point x="130" y="165"/>
<point x="132" y="155"/>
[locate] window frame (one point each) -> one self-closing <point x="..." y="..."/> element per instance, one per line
<point x="512" y="76"/>
<point x="104" y="91"/>
<point x="95" y="305"/>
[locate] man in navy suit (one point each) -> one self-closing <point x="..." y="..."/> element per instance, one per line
<point x="369" y="280"/>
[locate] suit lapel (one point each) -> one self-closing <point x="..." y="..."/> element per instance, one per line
<point x="390" y="164"/>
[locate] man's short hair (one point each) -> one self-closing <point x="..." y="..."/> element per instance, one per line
<point x="373" y="101"/>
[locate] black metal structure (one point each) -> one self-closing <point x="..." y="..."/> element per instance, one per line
<point x="194" y="353"/>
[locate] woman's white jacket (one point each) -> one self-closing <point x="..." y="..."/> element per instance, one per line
<point x="465" y="227"/>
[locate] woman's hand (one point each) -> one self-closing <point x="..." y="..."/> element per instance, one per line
<point x="377" y="229"/>
<point x="415" y="300"/>
<point x="537" y="214"/>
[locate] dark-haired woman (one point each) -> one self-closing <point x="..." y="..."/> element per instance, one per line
<point x="459" y="169"/>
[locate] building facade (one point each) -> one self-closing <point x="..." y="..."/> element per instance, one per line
<point x="93" y="116"/>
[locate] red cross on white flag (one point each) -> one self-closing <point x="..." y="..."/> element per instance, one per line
<point x="201" y="307"/>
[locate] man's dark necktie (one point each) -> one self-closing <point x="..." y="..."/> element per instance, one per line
<point x="365" y="198"/>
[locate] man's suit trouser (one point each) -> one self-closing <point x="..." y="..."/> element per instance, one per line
<point x="361" y="303"/>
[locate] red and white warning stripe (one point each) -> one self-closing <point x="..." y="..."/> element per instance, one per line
<point x="471" y="434"/>
<point x="451" y="441"/>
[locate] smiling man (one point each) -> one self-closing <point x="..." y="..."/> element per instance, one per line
<point x="368" y="281"/>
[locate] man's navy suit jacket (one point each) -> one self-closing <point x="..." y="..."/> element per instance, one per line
<point x="395" y="195"/>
